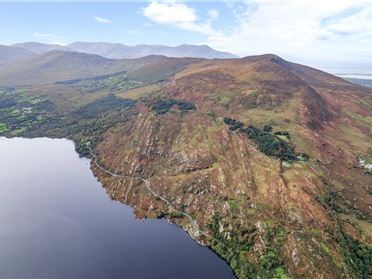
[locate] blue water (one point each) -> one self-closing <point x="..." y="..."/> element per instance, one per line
<point x="56" y="221"/>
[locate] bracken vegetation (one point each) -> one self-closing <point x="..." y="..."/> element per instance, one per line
<point x="357" y="255"/>
<point x="236" y="245"/>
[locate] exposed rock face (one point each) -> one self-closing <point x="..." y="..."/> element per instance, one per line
<point x="259" y="158"/>
<point x="262" y="215"/>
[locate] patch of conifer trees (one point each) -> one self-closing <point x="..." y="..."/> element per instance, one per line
<point x="164" y="105"/>
<point x="267" y="141"/>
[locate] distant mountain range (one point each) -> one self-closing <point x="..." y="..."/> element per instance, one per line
<point x="9" y="54"/>
<point x="120" y="51"/>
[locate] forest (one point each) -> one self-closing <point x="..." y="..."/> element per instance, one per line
<point x="267" y="142"/>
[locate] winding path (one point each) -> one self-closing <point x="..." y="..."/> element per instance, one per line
<point x="148" y="187"/>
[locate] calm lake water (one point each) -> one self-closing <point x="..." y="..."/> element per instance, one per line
<point x="57" y="221"/>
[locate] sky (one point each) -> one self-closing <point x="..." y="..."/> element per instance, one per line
<point x="332" y="32"/>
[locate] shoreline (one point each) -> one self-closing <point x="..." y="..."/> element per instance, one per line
<point x="93" y="159"/>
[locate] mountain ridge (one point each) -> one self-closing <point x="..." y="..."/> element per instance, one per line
<point x="56" y="66"/>
<point x="9" y="54"/>
<point x="287" y="210"/>
<point x="121" y="51"/>
<point x="264" y="155"/>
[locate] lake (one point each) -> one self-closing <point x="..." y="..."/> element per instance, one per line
<point x="57" y="221"/>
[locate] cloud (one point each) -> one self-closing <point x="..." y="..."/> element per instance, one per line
<point x="314" y="29"/>
<point x="102" y="20"/>
<point x="212" y="15"/>
<point x="293" y="28"/>
<point x="49" y="38"/>
<point x="178" y="15"/>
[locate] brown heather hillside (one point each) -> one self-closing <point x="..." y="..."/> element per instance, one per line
<point x="266" y="217"/>
<point x="63" y="66"/>
<point x="284" y="193"/>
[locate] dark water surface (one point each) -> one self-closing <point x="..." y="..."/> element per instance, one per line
<point x="57" y="221"/>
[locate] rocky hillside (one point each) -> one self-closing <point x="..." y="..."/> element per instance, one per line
<point x="266" y="161"/>
<point x="306" y="217"/>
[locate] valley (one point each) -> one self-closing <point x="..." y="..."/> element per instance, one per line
<point x="256" y="157"/>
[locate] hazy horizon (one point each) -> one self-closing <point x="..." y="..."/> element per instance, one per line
<point x="332" y="33"/>
<point x="363" y="70"/>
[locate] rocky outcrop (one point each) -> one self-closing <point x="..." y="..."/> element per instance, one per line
<point x="264" y="216"/>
